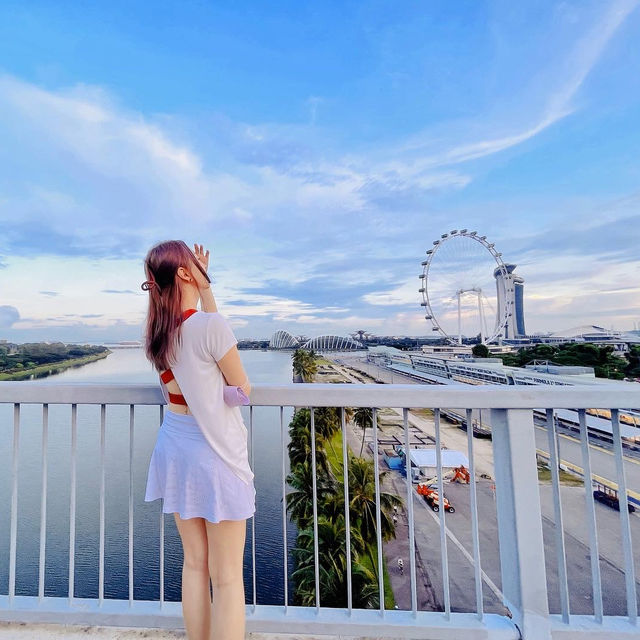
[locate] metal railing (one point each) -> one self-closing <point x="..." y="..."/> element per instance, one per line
<point x="522" y="574"/>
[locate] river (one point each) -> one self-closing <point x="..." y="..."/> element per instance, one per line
<point x="127" y="366"/>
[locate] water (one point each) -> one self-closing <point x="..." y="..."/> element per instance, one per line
<point x="123" y="366"/>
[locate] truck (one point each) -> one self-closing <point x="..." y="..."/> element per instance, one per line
<point x="430" y="494"/>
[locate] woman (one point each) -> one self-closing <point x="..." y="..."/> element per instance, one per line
<point x="199" y="465"/>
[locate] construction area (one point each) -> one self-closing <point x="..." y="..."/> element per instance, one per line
<point x="458" y="517"/>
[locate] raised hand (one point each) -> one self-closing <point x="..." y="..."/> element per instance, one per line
<point x="203" y="258"/>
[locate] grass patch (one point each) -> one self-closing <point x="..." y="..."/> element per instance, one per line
<point x="544" y="475"/>
<point x="333" y="449"/>
<point x="424" y="413"/>
<point x="365" y="559"/>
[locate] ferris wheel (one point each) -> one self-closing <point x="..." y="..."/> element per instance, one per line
<point x="466" y="288"/>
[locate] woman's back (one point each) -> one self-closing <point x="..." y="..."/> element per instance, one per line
<point x="206" y="337"/>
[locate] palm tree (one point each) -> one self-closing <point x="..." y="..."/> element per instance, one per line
<point x="300" y="451"/>
<point x="304" y="364"/>
<point x="348" y="414"/>
<point x="300" y="500"/>
<point x="332" y="567"/>
<point x="299" y="446"/>
<point x="333" y="506"/>
<point x="310" y="368"/>
<point x="326" y="421"/>
<point x="297" y="359"/>
<point x="362" y="500"/>
<point x="332" y="415"/>
<point x="363" y="417"/>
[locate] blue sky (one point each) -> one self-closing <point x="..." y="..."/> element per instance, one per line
<point x="317" y="149"/>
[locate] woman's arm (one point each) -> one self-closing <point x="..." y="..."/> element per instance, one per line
<point x="230" y="363"/>
<point x="207" y="301"/>
<point x="233" y="370"/>
<point x="221" y="343"/>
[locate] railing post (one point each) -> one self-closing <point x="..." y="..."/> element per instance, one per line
<point x="524" y="581"/>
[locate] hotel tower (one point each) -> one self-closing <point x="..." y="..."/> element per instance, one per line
<point x="512" y="285"/>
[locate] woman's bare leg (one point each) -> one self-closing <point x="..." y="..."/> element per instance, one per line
<point x="226" y="550"/>
<point x="196" y="597"/>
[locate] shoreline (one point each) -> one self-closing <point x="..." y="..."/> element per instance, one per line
<point x="45" y="370"/>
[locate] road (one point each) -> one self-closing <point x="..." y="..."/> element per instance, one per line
<point x="430" y="593"/>
<point x="602" y="458"/>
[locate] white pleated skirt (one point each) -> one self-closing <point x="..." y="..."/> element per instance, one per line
<point x="190" y="477"/>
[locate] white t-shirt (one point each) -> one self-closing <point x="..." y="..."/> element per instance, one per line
<point x="206" y="338"/>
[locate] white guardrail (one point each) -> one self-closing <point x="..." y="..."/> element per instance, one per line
<point x="523" y="577"/>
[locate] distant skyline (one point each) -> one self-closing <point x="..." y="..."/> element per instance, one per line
<point x="317" y="150"/>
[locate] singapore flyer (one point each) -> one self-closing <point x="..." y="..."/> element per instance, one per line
<point x="463" y="288"/>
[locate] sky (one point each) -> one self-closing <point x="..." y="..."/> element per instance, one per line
<point x="317" y="149"/>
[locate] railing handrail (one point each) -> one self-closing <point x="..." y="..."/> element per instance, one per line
<point x="518" y="508"/>
<point x="344" y="394"/>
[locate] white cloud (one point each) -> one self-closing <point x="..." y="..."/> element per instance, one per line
<point x="9" y="315"/>
<point x="565" y="80"/>
<point x="127" y="178"/>
<point x="89" y="177"/>
<point x="404" y="294"/>
<point x="100" y="177"/>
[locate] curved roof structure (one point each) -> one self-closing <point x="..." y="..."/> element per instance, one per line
<point x="283" y="340"/>
<point x="589" y="331"/>
<point x="332" y="343"/>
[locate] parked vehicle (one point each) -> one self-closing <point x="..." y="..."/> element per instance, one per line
<point x="609" y="496"/>
<point x="430" y="493"/>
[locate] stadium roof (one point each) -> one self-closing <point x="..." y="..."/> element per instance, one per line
<point x="594" y="331"/>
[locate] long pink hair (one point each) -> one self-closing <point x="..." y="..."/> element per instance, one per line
<point x="162" y="334"/>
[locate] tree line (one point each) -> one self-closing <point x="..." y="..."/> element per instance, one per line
<point x="331" y="524"/>
<point x="17" y="357"/>
<point x="605" y="363"/>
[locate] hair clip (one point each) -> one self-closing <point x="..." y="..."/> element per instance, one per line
<point x="148" y="284"/>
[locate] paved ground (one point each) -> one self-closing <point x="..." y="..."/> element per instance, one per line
<point x="429" y="588"/>
<point x="602" y="460"/>
<point x="19" y="631"/>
